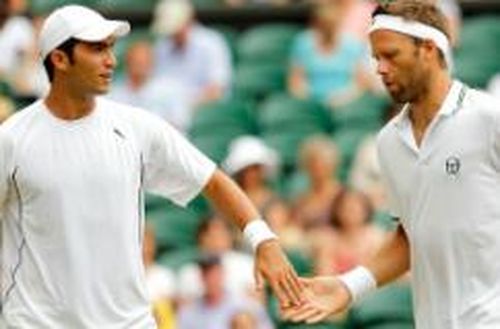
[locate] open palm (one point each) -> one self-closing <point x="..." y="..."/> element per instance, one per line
<point x="324" y="296"/>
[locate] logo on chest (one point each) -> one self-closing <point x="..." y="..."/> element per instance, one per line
<point x="452" y="166"/>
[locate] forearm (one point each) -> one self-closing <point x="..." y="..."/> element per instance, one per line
<point x="393" y="258"/>
<point x="230" y="200"/>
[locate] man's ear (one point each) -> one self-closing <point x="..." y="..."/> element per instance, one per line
<point x="429" y="49"/>
<point x="60" y="60"/>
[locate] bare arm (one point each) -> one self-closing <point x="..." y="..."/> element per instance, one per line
<point x="393" y="258"/>
<point x="297" y="83"/>
<point x="229" y="199"/>
<point x="271" y="261"/>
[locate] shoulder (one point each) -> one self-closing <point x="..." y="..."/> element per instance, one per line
<point x="22" y="119"/>
<point x="386" y="134"/>
<point x="207" y="37"/>
<point x="481" y="106"/>
<point x="135" y="116"/>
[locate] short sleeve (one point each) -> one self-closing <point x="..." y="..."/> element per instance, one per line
<point x="496" y="133"/>
<point x="173" y="167"/>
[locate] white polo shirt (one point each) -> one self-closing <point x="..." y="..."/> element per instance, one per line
<point x="447" y="195"/>
<point x="73" y="215"/>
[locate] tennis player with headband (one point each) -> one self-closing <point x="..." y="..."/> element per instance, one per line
<point x="440" y="158"/>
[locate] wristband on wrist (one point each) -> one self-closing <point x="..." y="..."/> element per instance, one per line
<point x="256" y="232"/>
<point x="359" y="281"/>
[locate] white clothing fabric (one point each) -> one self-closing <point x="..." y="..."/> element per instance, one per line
<point x="17" y="39"/>
<point x="72" y="221"/>
<point x="162" y="96"/>
<point x="205" y="60"/>
<point x="238" y="274"/>
<point x="160" y="283"/>
<point x="494" y="86"/>
<point x="447" y="195"/>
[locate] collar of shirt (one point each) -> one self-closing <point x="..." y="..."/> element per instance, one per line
<point x="448" y="108"/>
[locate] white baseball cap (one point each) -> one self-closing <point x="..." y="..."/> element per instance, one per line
<point x="77" y="22"/>
<point x="171" y="15"/>
<point x="246" y="151"/>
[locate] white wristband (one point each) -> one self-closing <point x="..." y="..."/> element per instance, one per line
<point x="256" y="232"/>
<point x="359" y="281"/>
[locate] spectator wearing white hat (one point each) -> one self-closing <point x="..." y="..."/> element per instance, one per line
<point x="190" y="52"/>
<point x="253" y="164"/>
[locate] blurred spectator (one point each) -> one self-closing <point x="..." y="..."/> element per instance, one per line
<point x="358" y="17"/>
<point x="19" y="57"/>
<point x="326" y="63"/>
<point x="18" y="7"/>
<point x="354" y="239"/>
<point x="494" y="86"/>
<point x="252" y="164"/>
<point x="319" y="158"/>
<point x="191" y="53"/>
<point x="365" y="173"/>
<point x="6" y="107"/>
<point x="243" y="320"/>
<point x="161" y="95"/>
<point x="214" y="237"/>
<point x="216" y="308"/>
<point x="160" y="283"/>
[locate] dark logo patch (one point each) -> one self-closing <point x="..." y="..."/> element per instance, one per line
<point x="452" y="166"/>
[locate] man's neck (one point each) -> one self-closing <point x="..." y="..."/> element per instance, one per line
<point x="66" y="105"/>
<point x="425" y="108"/>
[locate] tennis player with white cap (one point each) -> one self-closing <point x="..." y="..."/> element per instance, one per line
<point x="440" y="157"/>
<point x="73" y="171"/>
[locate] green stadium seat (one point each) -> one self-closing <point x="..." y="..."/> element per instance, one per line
<point x="389" y="305"/>
<point x="475" y="60"/>
<point x="214" y="146"/>
<point x="348" y="140"/>
<point x="174" y="260"/>
<point x="44" y="7"/>
<point x="282" y="112"/>
<point x="392" y="325"/>
<point x="207" y="4"/>
<point x="267" y="43"/>
<point x="126" y="6"/>
<point x="258" y="80"/>
<point x="175" y="227"/>
<point x="215" y="125"/>
<point x="366" y="112"/>
<point x="286" y="122"/>
<point x="234" y="117"/>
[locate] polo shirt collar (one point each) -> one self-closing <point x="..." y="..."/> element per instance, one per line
<point x="449" y="107"/>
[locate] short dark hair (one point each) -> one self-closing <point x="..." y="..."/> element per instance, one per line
<point x="67" y="47"/>
<point x="420" y="11"/>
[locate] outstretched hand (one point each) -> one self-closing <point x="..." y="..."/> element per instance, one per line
<point x="324" y="296"/>
<point x="272" y="265"/>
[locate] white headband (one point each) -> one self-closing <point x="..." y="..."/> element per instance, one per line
<point x="414" y="29"/>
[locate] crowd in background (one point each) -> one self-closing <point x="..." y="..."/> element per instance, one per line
<point x="175" y="68"/>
